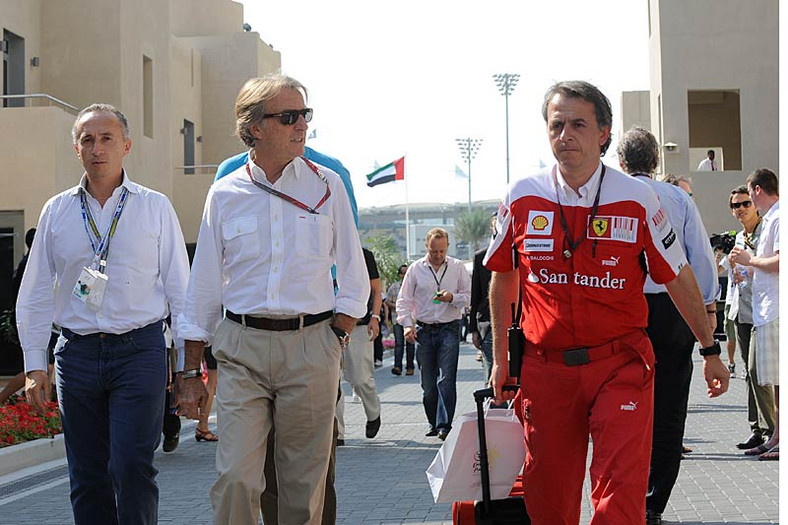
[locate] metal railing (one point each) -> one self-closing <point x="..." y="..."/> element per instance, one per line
<point x="45" y="96"/>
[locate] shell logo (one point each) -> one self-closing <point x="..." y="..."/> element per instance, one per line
<point x="539" y="222"/>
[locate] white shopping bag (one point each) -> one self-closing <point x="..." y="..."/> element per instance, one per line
<point x="454" y="474"/>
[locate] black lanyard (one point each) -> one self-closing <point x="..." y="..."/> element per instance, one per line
<point x="287" y="197"/>
<point x="435" y="275"/>
<point x="573" y="244"/>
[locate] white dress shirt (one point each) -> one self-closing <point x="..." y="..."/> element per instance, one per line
<point x="707" y="165"/>
<point x="419" y="287"/>
<point x="147" y="268"/>
<point x="766" y="285"/>
<point x="260" y="255"/>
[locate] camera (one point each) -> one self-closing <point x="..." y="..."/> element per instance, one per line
<point x="724" y="241"/>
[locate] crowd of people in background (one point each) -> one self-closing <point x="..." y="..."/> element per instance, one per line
<point x="282" y="301"/>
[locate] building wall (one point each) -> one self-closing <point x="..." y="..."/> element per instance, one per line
<point x="92" y="51"/>
<point x="712" y="45"/>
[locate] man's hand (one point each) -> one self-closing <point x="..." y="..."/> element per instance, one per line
<point x="716" y="374"/>
<point x="477" y="340"/>
<point x="373" y="328"/>
<point x="410" y="334"/>
<point x="739" y="255"/>
<point x="192" y="396"/>
<point x="444" y="296"/>
<point x="499" y="377"/>
<point x="37" y="389"/>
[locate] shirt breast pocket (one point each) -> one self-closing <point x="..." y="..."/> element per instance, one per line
<point x="314" y="235"/>
<point x="241" y="239"/>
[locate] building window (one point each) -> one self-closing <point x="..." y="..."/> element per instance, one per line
<point x="13" y="51"/>
<point x="188" y="147"/>
<point x="147" y="96"/>
<point x="715" y="124"/>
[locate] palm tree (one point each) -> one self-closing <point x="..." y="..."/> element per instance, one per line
<point x="473" y="227"/>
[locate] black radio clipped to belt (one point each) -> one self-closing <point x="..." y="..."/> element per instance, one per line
<point x="516" y="345"/>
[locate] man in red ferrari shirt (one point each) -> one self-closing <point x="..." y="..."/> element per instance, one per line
<point x="578" y="238"/>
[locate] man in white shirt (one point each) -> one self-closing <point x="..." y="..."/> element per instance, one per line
<point x="270" y="232"/>
<point x="108" y="264"/>
<point x="435" y="291"/>
<point x="708" y="164"/>
<point x="765" y="264"/>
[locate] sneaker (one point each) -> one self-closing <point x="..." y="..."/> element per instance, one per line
<point x="732" y="369"/>
<point x="397" y="371"/>
<point x="479" y="356"/>
<point x="653" y="518"/>
<point x="378" y="363"/>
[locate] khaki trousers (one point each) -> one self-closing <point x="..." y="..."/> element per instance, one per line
<point x="358" y="364"/>
<point x="282" y="380"/>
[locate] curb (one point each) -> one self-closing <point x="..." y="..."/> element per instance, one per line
<point x="31" y="453"/>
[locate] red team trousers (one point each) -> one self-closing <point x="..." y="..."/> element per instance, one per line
<point x="610" y="399"/>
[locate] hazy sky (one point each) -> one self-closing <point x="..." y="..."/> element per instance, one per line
<point x="388" y="79"/>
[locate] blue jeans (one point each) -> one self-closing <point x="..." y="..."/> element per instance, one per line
<point x="111" y="392"/>
<point x="400" y="346"/>
<point x="437" y="352"/>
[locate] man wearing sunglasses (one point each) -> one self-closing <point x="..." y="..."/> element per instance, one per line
<point x="271" y="232"/>
<point x="671" y="337"/>
<point x="760" y="399"/>
<point x="764" y="193"/>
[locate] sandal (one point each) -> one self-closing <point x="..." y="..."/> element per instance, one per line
<point x="772" y="455"/>
<point x="205" y="435"/>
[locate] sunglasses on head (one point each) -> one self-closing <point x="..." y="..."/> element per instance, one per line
<point x="290" y="116"/>
<point x="737" y="205"/>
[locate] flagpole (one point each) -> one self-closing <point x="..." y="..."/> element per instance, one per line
<point x="407" y="223"/>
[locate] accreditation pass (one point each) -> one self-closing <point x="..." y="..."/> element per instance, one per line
<point x="90" y="288"/>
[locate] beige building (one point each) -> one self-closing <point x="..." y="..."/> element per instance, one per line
<point x="714" y="85"/>
<point x="174" y="67"/>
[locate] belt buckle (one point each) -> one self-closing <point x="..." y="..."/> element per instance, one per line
<point x="576" y="357"/>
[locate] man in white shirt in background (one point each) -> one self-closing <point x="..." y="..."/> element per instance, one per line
<point x="270" y="233"/>
<point x="708" y="164"/>
<point x="765" y="264"/>
<point x="435" y="291"/>
<point x="108" y="264"/>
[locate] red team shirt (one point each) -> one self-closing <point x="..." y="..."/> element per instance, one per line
<point x="596" y="295"/>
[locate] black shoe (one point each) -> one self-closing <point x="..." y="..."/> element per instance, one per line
<point x="340" y="442"/>
<point x="432" y="433"/>
<point x="753" y="441"/>
<point x="172" y="432"/>
<point x="442" y="434"/>
<point x="653" y="518"/>
<point x="373" y="427"/>
<point x="397" y="371"/>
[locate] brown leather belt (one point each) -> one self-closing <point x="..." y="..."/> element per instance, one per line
<point x="279" y="325"/>
<point x="582" y="355"/>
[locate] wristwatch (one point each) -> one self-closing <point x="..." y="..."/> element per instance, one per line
<point x="711" y="350"/>
<point x="344" y="337"/>
<point x="194" y="372"/>
<point x="375" y="316"/>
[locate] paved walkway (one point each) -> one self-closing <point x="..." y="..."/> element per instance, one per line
<point x="383" y="481"/>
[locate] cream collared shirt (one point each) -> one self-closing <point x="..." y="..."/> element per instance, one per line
<point x="260" y="255"/>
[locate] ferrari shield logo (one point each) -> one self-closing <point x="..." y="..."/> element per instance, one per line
<point x="600" y="226"/>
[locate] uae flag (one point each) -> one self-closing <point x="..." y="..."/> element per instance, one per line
<point x="387" y="173"/>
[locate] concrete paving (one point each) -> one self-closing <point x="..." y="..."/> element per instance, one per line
<point x="382" y="480"/>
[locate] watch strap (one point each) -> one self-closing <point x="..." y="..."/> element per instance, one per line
<point x="194" y="372"/>
<point x="711" y="350"/>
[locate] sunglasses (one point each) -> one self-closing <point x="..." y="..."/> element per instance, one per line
<point x="290" y="117"/>
<point x="737" y="205"/>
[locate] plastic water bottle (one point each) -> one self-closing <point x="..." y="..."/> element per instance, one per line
<point x="744" y="272"/>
